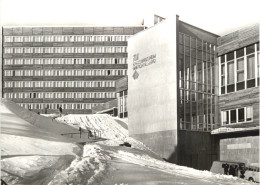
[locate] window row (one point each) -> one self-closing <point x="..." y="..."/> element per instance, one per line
<point x="22" y="84"/>
<point x="97" y="49"/>
<point x="66" y="72"/>
<point x="43" y="61"/>
<point x="239" y="69"/>
<point x="44" y="106"/>
<point x="57" y="95"/>
<point x="67" y="38"/>
<point x="238" y="115"/>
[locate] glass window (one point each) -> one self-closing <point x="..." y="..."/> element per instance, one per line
<point x="240" y="69"/>
<point x="250" y="49"/>
<point x="250" y="66"/>
<point x="249" y="113"/>
<point x="230" y="56"/>
<point x="225" y="117"/>
<point x="230" y="72"/>
<point x="241" y="115"/>
<point x="233" y="116"/>
<point x="240" y="52"/>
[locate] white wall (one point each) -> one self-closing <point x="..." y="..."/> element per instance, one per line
<point x="152" y="99"/>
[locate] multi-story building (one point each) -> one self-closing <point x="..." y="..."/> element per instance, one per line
<point x="238" y="100"/>
<point x="75" y="68"/>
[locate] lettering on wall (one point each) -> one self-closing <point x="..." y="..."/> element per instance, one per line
<point x="137" y="64"/>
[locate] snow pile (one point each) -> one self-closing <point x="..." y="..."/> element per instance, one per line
<point x="29" y="154"/>
<point x="110" y="129"/>
<point x="88" y="169"/>
<point x="103" y="123"/>
<point x="151" y="162"/>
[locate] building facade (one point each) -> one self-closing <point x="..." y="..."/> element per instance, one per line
<point x="238" y="104"/>
<point x="75" y="68"/>
<point x="118" y="106"/>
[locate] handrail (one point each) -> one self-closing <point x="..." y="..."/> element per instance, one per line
<point x="97" y="133"/>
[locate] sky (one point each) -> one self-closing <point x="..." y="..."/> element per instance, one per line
<point x="217" y="16"/>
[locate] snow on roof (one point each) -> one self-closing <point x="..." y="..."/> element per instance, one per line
<point x="229" y="130"/>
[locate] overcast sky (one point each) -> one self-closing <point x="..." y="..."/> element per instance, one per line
<point x="217" y="16"/>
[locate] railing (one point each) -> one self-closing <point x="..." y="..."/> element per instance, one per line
<point x="94" y="133"/>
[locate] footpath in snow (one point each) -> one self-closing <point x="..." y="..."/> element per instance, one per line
<point x="34" y="152"/>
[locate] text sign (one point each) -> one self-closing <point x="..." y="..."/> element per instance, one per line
<point x="137" y="64"/>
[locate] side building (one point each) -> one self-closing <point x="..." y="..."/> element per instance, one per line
<point x="74" y="68"/>
<point x="238" y="105"/>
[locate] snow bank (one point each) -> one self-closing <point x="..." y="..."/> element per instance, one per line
<point x="29" y="154"/>
<point x="148" y="161"/>
<point x="88" y="169"/>
<point x="39" y="121"/>
<point x="103" y="123"/>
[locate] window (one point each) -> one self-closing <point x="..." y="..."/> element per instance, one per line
<point x="8" y="39"/>
<point x="18" y="39"/>
<point x="230" y="72"/>
<point x="240" y="69"/>
<point x="249" y="113"/>
<point x="38" y="38"/>
<point x="239" y="115"/>
<point x="250" y="66"/>
<point x="28" y="50"/>
<point x="246" y="69"/>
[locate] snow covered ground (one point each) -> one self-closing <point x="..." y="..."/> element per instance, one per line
<point x="33" y="153"/>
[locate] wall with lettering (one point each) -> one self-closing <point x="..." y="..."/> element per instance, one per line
<point x="152" y="87"/>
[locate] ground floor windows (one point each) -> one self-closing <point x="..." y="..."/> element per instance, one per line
<point x="238" y="115"/>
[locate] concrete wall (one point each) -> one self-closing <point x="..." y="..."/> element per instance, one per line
<point x="242" y="149"/>
<point x="152" y="85"/>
